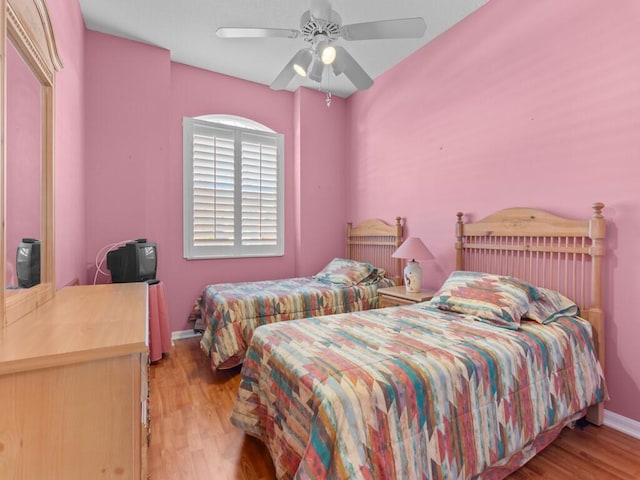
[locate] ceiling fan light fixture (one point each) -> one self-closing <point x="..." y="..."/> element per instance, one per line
<point x="302" y="62"/>
<point x="299" y="70"/>
<point x="325" y="50"/>
<point x="328" y="54"/>
<point x="322" y="29"/>
<point x="315" y="72"/>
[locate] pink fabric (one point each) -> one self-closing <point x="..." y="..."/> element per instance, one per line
<point x="159" y="333"/>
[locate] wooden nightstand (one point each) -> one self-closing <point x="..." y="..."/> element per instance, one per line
<point x="394" y="296"/>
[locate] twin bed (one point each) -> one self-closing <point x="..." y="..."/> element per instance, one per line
<point x="228" y="313"/>
<point x="469" y="385"/>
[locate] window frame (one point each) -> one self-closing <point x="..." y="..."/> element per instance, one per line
<point x="239" y="127"/>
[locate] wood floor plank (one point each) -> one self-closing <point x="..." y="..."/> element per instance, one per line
<point x="192" y="437"/>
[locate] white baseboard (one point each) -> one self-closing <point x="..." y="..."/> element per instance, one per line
<point x="181" y="334"/>
<point x="622" y="424"/>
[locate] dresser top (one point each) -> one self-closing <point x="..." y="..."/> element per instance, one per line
<point x="79" y="324"/>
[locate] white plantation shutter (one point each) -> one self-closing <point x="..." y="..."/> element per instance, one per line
<point x="213" y="187"/>
<point x="259" y="190"/>
<point x="233" y="191"/>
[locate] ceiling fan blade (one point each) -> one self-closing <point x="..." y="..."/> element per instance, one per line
<point x="400" y="28"/>
<point x="242" y="32"/>
<point x="345" y="63"/>
<point x="286" y="75"/>
<point x="320" y="9"/>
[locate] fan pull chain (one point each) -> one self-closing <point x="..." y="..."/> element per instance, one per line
<point x="327" y="98"/>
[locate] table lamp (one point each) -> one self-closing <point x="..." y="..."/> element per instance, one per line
<point x="413" y="248"/>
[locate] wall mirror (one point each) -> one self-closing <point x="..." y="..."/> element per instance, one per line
<point x="29" y="63"/>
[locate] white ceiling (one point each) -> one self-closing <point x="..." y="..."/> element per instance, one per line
<point x="187" y="29"/>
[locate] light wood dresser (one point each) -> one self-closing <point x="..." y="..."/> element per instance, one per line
<point x="74" y="387"/>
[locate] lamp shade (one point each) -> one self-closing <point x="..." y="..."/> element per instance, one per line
<point x="413" y="248"/>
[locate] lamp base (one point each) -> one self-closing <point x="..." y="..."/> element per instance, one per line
<point x="413" y="277"/>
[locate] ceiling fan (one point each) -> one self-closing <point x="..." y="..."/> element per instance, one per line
<point x="321" y="27"/>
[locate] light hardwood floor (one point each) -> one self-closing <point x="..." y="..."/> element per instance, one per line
<point x="192" y="437"/>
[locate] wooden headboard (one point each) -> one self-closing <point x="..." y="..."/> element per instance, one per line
<point x="545" y="250"/>
<point x="374" y="241"/>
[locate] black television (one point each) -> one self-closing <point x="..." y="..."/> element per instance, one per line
<point x="135" y="261"/>
<point x="28" y="263"/>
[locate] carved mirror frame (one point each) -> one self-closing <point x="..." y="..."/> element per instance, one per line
<point x="27" y="25"/>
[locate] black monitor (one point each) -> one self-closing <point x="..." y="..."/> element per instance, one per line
<point x="133" y="262"/>
<point x="28" y="263"/>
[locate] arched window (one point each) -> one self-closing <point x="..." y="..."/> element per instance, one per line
<point x="233" y="188"/>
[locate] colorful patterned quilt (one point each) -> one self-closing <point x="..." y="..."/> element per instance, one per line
<point x="231" y="311"/>
<point x="413" y="392"/>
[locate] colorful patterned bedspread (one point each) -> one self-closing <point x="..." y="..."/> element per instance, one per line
<point x="412" y="392"/>
<point x="232" y="311"/>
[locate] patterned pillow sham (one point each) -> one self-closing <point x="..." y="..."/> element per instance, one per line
<point x="550" y="306"/>
<point x="344" y="271"/>
<point x="494" y="299"/>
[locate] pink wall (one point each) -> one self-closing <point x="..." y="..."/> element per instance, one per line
<point x="68" y="26"/>
<point x="475" y="121"/>
<point x="24" y="157"/>
<point x="126" y="144"/>
<point x="321" y="171"/>
<point x="70" y="210"/>
<point x="195" y="92"/>
<point x="136" y="101"/>
<point x="521" y="104"/>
